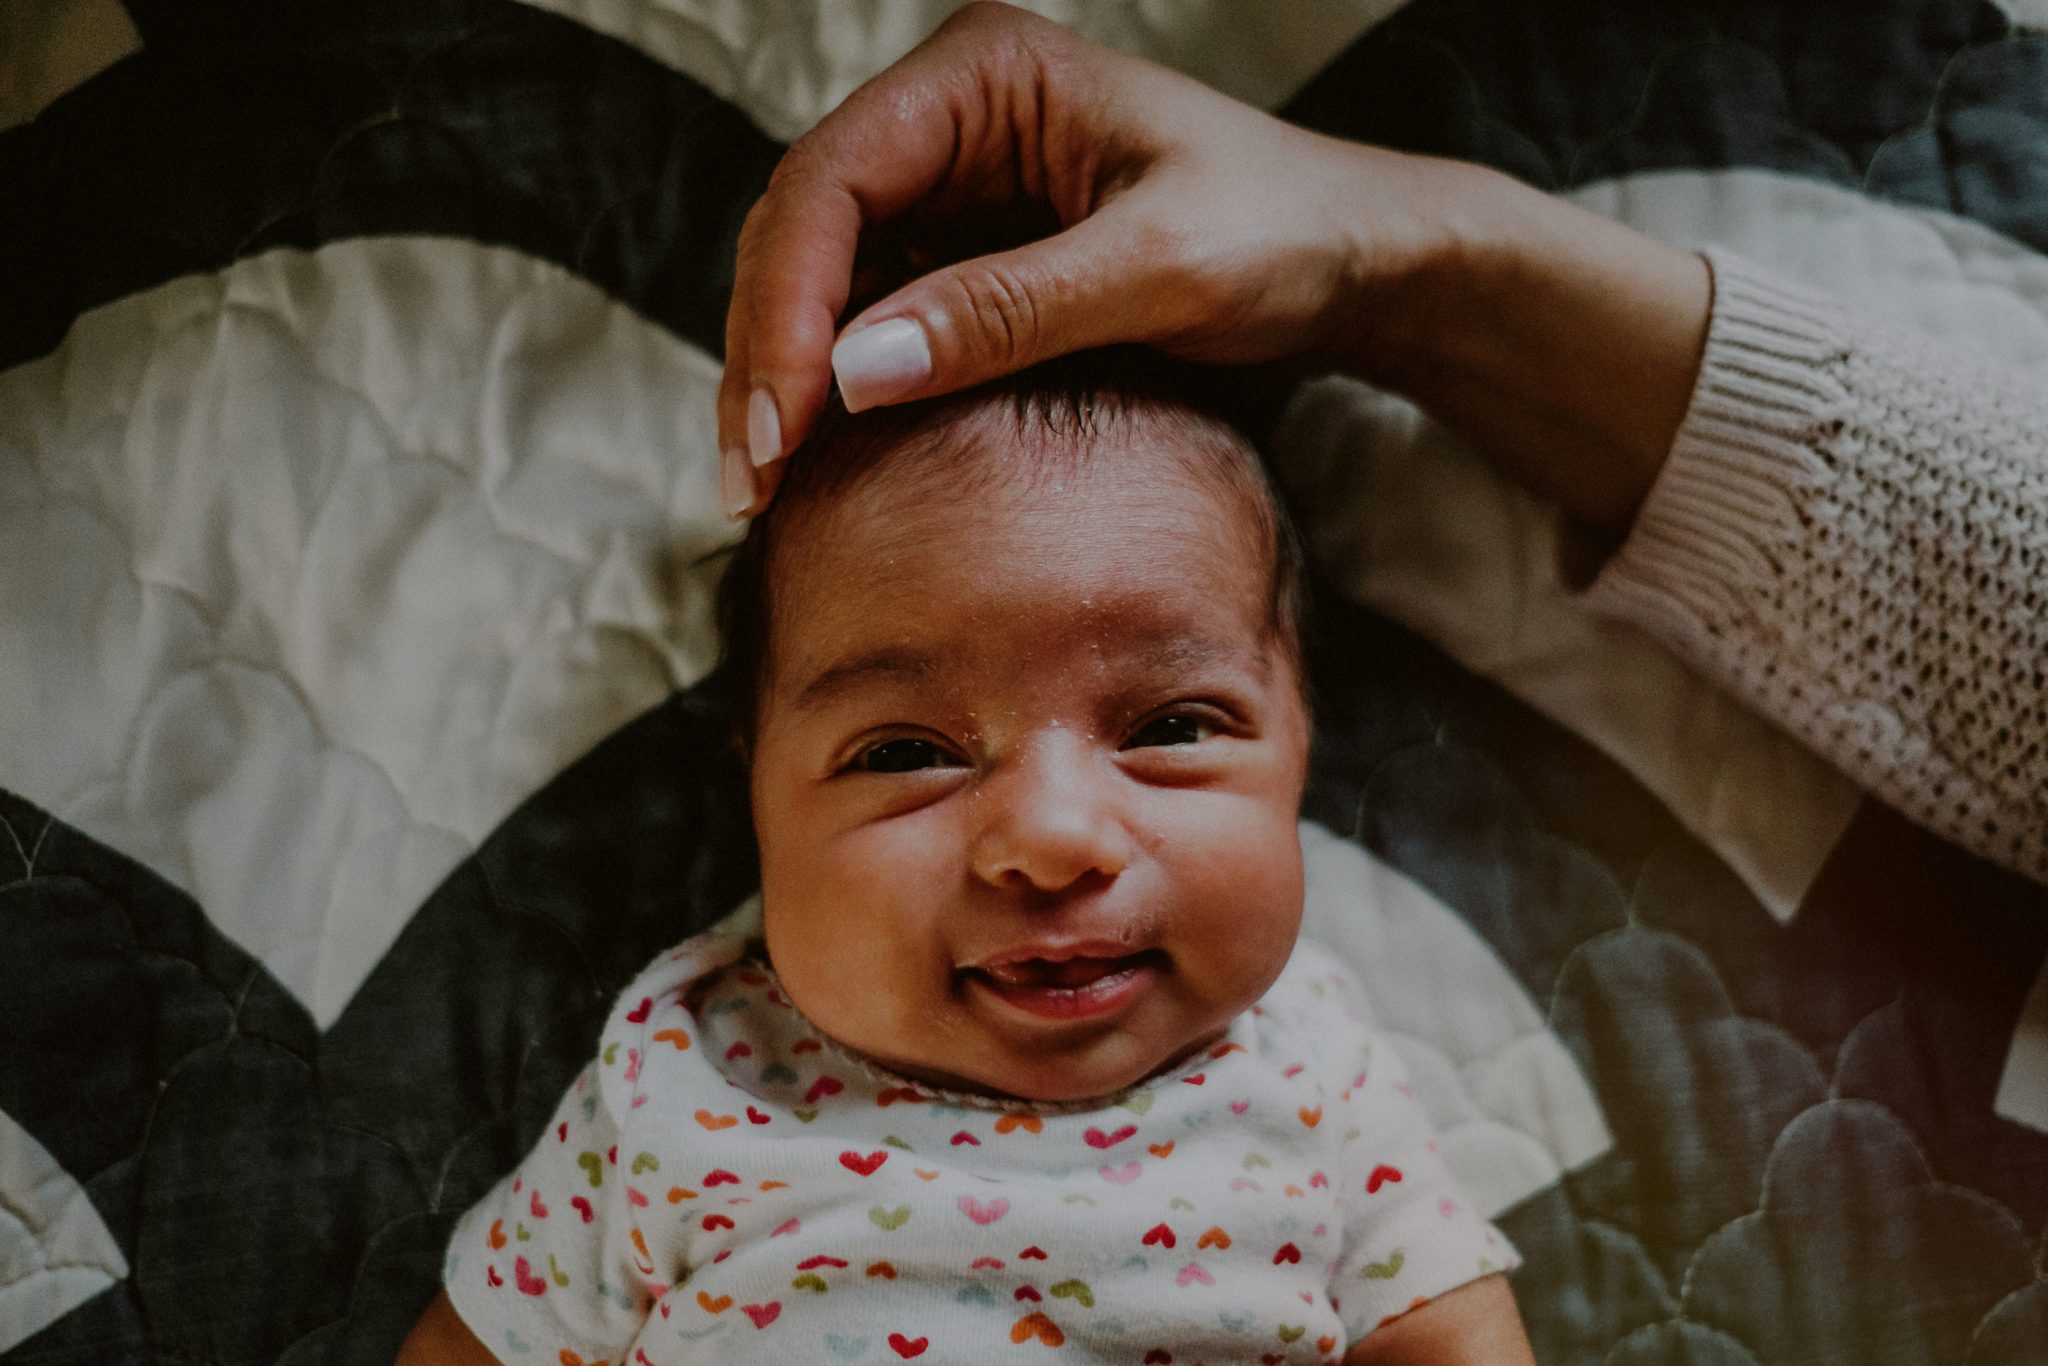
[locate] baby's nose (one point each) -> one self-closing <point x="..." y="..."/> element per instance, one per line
<point x="1050" y="819"/>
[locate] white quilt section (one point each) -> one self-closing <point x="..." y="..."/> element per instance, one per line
<point x="316" y="568"/>
<point x="787" y="63"/>
<point x="55" y="1250"/>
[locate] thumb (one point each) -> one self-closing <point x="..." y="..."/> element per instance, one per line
<point x="991" y="315"/>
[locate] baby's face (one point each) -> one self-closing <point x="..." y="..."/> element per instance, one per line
<point x="1025" y="779"/>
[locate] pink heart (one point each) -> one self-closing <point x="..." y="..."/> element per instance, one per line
<point x="634" y="1197"/>
<point x="1238" y="1107"/>
<point x="1193" y="1272"/>
<point x="1098" y="1139"/>
<point x="1122" y="1176"/>
<point x="984" y="1214"/>
<point x="1245" y="1183"/>
<point x="786" y="1226"/>
<point x="763" y="1314"/>
<point x="529" y="1284"/>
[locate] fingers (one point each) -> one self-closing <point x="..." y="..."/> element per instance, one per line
<point x="888" y="146"/>
<point x="992" y="315"/>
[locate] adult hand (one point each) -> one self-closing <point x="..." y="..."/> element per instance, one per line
<point x="1174" y="216"/>
<point x="1181" y="218"/>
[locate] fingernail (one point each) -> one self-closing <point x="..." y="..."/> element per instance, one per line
<point x="736" y="481"/>
<point x="881" y="362"/>
<point x="764" y="429"/>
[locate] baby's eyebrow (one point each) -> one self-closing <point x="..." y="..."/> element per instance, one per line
<point x="889" y="664"/>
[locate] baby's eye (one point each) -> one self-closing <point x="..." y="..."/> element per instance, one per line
<point x="1175" y="728"/>
<point x="902" y="755"/>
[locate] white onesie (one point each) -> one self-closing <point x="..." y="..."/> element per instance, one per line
<point x="725" y="1184"/>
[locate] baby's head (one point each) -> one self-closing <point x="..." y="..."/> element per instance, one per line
<point x="1018" y="678"/>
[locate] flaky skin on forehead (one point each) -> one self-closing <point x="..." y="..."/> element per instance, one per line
<point x="1040" y="426"/>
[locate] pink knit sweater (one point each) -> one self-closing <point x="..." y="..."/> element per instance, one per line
<point x="1851" y="533"/>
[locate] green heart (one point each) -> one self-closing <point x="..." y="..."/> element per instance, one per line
<point x="1290" y="1331"/>
<point x="1256" y="1160"/>
<point x="519" y="1232"/>
<point x="590" y="1107"/>
<point x="1138" y="1104"/>
<point x="805" y="1115"/>
<point x="611" y="1054"/>
<point x="1079" y="1199"/>
<point x="1179" y="1203"/>
<point x="1351" y="1133"/>
<point x="889" y="1220"/>
<point x="1387" y="1270"/>
<point x="975" y="1293"/>
<point x="561" y="1277"/>
<point x="646" y="1162"/>
<point x="727" y="1006"/>
<point x="592" y="1163"/>
<point x="1075" y="1290"/>
<point x="1486" y="1267"/>
<point x="810" y="1280"/>
<point x="891" y="1141"/>
<point x="779" y="1071"/>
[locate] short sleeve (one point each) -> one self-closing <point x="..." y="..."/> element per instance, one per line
<point x="1409" y="1234"/>
<point x="544" y="1262"/>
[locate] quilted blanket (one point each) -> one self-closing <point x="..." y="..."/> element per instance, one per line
<point x="357" y="525"/>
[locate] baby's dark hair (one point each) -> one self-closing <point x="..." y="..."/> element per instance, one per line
<point x="1051" y="416"/>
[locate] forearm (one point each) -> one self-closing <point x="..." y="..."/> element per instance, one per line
<point x="1563" y="345"/>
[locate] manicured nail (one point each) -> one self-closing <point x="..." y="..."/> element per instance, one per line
<point x="736" y="480"/>
<point x="882" y="362"/>
<point x="764" y="429"/>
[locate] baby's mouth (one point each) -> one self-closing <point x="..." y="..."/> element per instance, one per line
<point x="1070" y="988"/>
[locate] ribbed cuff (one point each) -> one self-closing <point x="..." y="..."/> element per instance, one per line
<point x="1707" y="539"/>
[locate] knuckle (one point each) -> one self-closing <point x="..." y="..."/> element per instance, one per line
<point x="1006" y="320"/>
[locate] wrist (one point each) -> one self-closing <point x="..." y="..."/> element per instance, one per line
<point x="1561" y="343"/>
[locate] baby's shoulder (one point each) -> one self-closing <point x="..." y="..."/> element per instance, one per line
<point x="1315" y="990"/>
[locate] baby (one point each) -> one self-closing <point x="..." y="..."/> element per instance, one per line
<point x="1026" y="1055"/>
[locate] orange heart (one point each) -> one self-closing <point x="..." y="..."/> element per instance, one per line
<point x="882" y="1269"/>
<point x="1037" y="1326"/>
<point x="497" y="1239"/>
<point x="1215" y="1237"/>
<point x="1311" y="1115"/>
<point x="1296" y="1192"/>
<point x="711" y="1306"/>
<point x="1223" y="1049"/>
<point x="569" y="1358"/>
<point x="676" y="1195"/>
<point x="774" y="1185"/>
<point x="1160" y="1149"/>
<point x="641" y="1243"/>
<point x="924" y="1175"/>
<point x="716" y="1122"/>
<point x="1326" y="1345"/>
<point x="674" y="1036"/>
<point x="1009" y="1124"/>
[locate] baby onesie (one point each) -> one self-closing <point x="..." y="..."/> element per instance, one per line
<point x="723" y="1183"/>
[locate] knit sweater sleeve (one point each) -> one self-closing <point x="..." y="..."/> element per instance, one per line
<point x="1851" y="533"/>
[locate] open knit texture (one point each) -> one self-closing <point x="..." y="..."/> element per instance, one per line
<point x="1851" y="532"/>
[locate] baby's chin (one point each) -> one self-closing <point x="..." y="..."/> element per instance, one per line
<point x="1101" y="1070"/>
